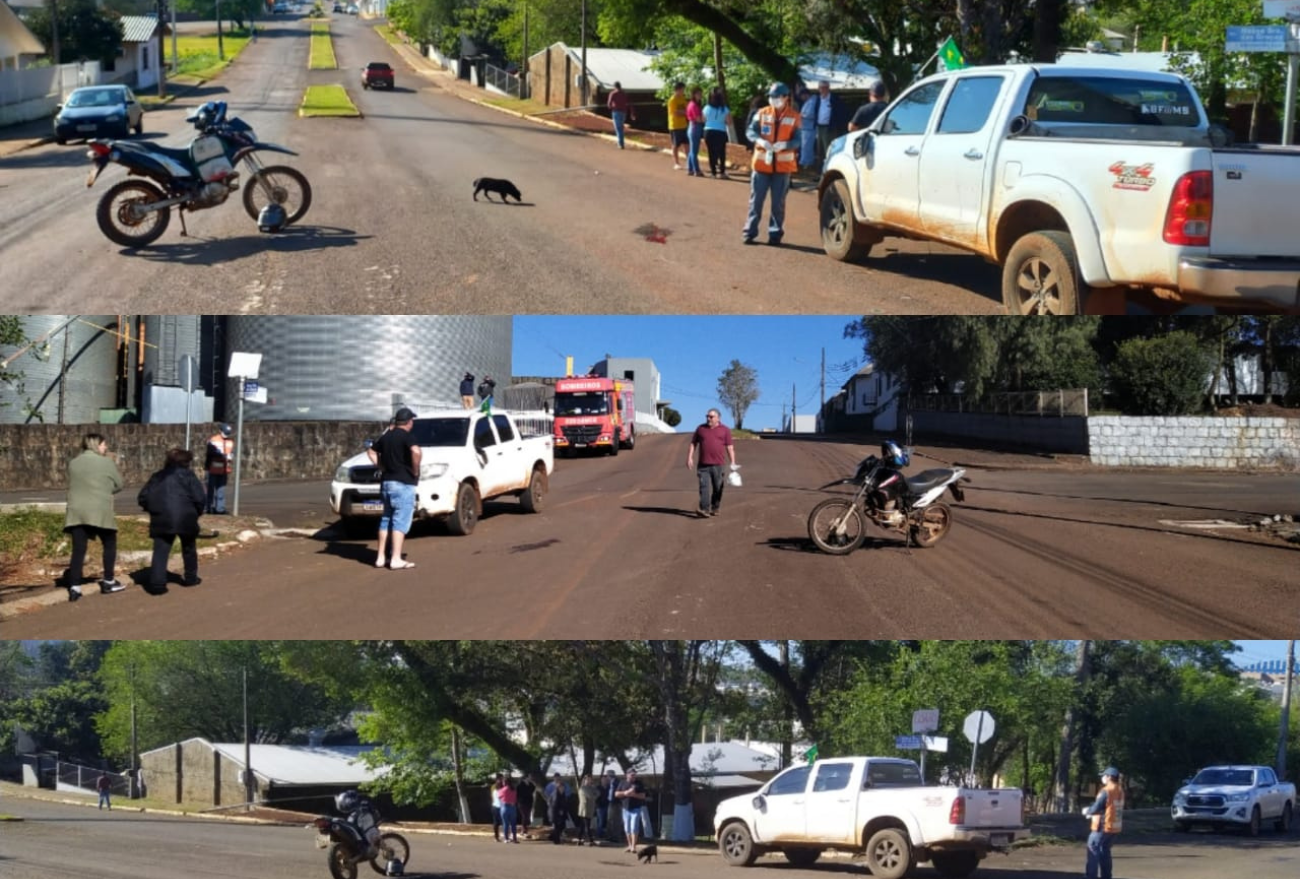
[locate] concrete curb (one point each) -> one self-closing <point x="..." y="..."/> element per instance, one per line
<point x="69" y="801"/>
<point x="59" y="595"/>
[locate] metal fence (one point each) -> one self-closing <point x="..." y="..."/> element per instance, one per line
<point x="1047" y="404"/>
<point x="497" y="79"/>
<point x="86" y="778"/>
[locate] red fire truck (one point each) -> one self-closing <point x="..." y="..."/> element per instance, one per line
<point x="592" y="412"/>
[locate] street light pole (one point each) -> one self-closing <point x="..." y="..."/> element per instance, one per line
<point x="583" y="91"/>
<point x="1285" y="726"/>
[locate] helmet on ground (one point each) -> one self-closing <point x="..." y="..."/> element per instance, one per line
<point x="893" y="455"/>
<point x="394" y="868"/>
<point x="779" y="90"/>
<point x="347" y="801"/>
<point x="272" y="218"/>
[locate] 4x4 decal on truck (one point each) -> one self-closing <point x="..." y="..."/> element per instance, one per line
<point x="1133" y="176"/>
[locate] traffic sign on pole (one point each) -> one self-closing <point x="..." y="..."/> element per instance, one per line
<point x="925" y="720"/>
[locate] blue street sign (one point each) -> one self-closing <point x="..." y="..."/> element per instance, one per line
<point x="907" y="743"/>
<point x="250" y="388"/>
<point x="1256" y="38"/>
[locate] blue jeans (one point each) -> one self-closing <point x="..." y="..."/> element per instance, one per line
<point x="1099" y="863"/>
<point x="619" y="118"/>
<point x="510" y="821"/>
<point x="217" y="493"/>
<point x="103" y="800"/>
<point x="399" y="507"/>
<point x="759" y="186"/>
<point x="694" y="134"/>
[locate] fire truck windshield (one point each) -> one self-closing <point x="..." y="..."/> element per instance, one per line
<point x="581" y="403"/>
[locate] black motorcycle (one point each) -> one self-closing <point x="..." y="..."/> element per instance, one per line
<point x="889" y="500"/>
<point x="356" y="838"/>
<point x="136" y="212"/>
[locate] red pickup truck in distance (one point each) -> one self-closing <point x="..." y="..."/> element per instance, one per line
<point x="377" y="74"/>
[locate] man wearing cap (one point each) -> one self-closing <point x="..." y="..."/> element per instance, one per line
<point x="486" y="387"/>
<point x="217" y="462"/>
<point x="1107" y="815"/>
<point x="467" y="391"/>
<point x="398" y="458"/>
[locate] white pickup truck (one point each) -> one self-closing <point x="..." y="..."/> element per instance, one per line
<point x="468" y="457"/>
<point x="873" y="804"/>
<point x="1240" y="796"/>
<point x="1084" y="184"/>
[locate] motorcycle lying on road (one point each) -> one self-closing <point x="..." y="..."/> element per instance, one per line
<point x="356" y="838"/>
<point x="136" y="212"/>
<point x="888" y="499"/>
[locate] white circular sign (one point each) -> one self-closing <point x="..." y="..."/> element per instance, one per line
<point x="979" y="727"/>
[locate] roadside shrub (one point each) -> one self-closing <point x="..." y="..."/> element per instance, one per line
<point x="1163" y="375"/>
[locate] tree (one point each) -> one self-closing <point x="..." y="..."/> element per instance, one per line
<point x="183" y="689"/>
<point x="1166" y="375"/>
<point x="672" y="417"/>
<point x="738" y="389"/>
<point x="86" y="32"/>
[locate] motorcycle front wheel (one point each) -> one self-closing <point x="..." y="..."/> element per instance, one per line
<point x="836" y="526"/>
<point x="392" y="847"/>
<point x="341" y="864"/>
<point x="278" y="184"/>
<point x="119" y="221"/>
<point x="932" y="525"/>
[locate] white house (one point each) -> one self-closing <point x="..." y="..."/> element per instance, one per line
<point x="16" y="41"/>
<point x="871" y="400"/>
<point x="137" y="62"/>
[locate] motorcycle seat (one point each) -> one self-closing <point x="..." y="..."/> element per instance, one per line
<point x="181" y="155"/>
<point x="927" y="480"/>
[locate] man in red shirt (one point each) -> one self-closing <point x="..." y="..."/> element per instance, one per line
<point x="714" y="441"/>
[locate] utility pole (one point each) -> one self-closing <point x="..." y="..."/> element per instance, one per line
<point x="176" y="56"/>
<point x="793" y="404"/>
<point x="248" y="748"/>
<point x="221" y="46"/>
<point x="162" y="41"/>
<point x="523" y="83"/>
<point x="821" y="413"/>
<point x="583" y="91"/>
<point x="135" y="749"/>
<point x="1284" y="729"/>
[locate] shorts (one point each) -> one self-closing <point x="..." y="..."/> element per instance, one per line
<point x="679" y="137"/>
<point x="632" y="821"/>
<point x="399" y="507"/>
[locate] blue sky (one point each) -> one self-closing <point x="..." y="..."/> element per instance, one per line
<point x="1259" y="651"/>
<point x="691" y="352"/>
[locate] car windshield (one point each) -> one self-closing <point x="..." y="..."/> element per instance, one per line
<point x="1229" y="777"/>
<point x="96" y="98"/>
<point x="1108" y="100"/>
<point x="441" y="431"/>
<point x="581" y="403"/>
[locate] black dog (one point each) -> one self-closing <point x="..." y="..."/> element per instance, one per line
<point x="502" y="188"/>
<point x="648" y="853"/>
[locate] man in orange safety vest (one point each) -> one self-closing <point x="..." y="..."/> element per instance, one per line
<point x="774" y="132"/>
<point x="1107" y="815"/>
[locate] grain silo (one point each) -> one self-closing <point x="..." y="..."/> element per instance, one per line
<point x="168" y="340"/>
<point x="69" y="377"/>
<point x="362" y="367"/>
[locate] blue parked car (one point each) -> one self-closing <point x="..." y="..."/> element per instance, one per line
<point x="98" y="111"/>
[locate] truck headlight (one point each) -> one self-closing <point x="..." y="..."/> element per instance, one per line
<point x="1180" y="799"/>
<point x="342" y="475"/>
<point x="432" y="471"/>
<point x="1237" y="798"/>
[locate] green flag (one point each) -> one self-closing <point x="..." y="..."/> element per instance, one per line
<point x="486" y="408"/>
<point x="951" y="57"/>
<point x="811" y="754"/>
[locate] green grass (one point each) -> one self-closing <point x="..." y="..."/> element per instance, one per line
<point x="322" y="48"/>
<point x="327" y="100"/>
<point x="31" y="535"/>
<point x="198" y="52"/>
<point x="4" y="817"/>
<point x="527" y="107"/>
<point x="386" y="31"/>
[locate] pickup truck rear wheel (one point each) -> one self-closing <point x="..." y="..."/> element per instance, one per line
<point x="737" y="845"/>
<point x="802" y="857"/>
<point x="463" y="519"/>
<point x="1283" y="824"/>
<point x="533" y="496"/>
<point x="889" y="854"/>
<point x="839" y="226"/>
<point x="955" y="865"/>
<point x="1041" y="275"/>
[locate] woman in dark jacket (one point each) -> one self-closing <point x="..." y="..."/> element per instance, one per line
<point x="174" y="499"/>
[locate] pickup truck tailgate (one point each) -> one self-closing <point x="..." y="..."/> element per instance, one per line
<point x="993" y="808"/>
<point x="1254" y="202"/>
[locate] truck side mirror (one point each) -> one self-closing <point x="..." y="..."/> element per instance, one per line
<point x="760" y="803"/>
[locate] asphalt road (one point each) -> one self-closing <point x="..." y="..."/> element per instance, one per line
<point x="57" y="841"/>
<point x="393" y="229"/>
<point x="1056" y="553"/>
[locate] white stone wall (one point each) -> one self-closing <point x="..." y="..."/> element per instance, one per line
<point x="1123" y="441"/>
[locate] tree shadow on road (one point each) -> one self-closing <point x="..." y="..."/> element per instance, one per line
<point x="211" y="251"/>
<point x="1146" y="502"/>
